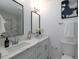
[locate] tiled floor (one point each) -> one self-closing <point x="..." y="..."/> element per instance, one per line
<point x="55" y="53"/>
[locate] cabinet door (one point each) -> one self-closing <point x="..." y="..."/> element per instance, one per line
<point x="41" y="50"/>
<point x="45" y="49"/>
<point x="30" y="57"/>
<point x="38" y="51"/>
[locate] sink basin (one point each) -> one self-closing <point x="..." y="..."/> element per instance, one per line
<point x="17" y="47"/>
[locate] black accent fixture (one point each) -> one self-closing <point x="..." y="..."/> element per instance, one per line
<point x="2" y="36"/>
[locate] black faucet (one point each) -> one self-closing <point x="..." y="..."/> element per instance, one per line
<point x="2" y="36"/>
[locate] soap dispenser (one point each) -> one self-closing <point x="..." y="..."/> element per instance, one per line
<point x="6" y="43"/>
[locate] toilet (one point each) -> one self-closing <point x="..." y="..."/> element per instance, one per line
<point x="66" y="57"/>
<point x="67" y="50"/>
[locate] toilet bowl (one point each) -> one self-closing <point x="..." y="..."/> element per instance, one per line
<point x="66" y="57"/>
<point x="67" y="49"/>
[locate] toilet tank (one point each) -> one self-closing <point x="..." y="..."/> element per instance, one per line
<point x="68" y="48"/>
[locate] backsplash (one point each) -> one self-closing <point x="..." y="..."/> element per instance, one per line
<point x="1" y="42"/>
<point x="12" y="38"/>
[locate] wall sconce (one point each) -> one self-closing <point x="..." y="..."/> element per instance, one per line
<point x="36" y="10"/>
<point x="35" y="5"/>
<point x="39" y="5"/>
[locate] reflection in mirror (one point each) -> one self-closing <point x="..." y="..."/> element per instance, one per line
<point x="35" y="22"/>
<point x="12" y="13"/>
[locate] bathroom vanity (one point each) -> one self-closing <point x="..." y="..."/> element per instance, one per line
<point x="29" y="49"/>
<point x="35" y="48"/>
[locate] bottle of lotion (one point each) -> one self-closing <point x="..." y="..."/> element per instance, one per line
<point x="6" y="43"/>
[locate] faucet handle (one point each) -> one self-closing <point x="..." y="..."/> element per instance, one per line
<point x="29" y="35"/>
<point x="15" y="41"/>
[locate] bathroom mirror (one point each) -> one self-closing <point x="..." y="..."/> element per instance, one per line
<point x="12" y="13"/>
<point x="35" y="21"/>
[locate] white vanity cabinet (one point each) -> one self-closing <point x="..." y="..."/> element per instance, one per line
<point x="38" y="51"/>
<point x="42" y="50"/>
<point x="27" y="54"/>
<point x="45" y="45"/>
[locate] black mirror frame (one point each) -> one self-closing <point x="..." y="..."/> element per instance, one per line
<point x="32" y="23"/>
<point x="22" y="13"/>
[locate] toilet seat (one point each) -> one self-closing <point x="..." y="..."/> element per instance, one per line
<point x="66" y="57"/>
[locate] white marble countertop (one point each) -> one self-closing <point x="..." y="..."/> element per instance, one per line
<point x="8" y="55"/>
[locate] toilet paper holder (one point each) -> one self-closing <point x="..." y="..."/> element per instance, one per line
<point x="64" y="54"/>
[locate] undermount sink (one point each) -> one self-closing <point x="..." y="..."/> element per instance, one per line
<point x="17" y="47"/>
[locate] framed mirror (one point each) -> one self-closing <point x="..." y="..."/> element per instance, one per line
<point x="35" y="22"/>
<point x="12" y="13"/>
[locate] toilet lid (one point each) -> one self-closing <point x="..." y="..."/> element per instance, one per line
<point x="66" y="57"/>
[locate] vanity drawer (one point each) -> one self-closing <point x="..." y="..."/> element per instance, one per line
<point x="29" y="53"/>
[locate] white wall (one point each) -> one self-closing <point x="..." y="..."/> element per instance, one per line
<point x="49" y="22"/>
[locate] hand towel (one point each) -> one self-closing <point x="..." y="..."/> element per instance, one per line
<point x="2" y="22"/>
<point x="69" y="29"/>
